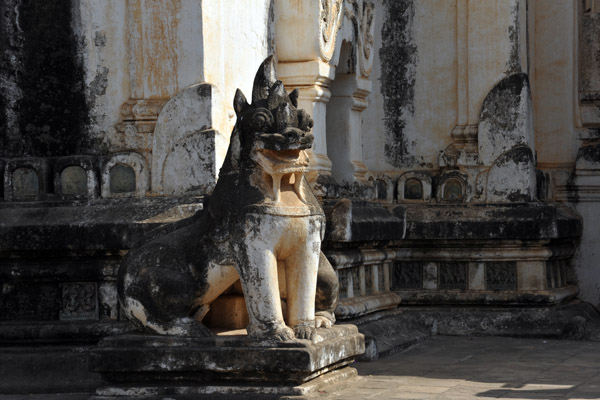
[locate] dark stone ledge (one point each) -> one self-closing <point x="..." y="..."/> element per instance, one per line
<point x="527" y="221"/>
<point x="93" y="225"/>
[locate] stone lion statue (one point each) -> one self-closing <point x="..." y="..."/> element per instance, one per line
<point x="262" y="225"/>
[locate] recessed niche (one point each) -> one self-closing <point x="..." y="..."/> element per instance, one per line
<point x="381" y="187"/>
<point x="453" y="190"/>
<point x="73" y="181"/>
<point x="122" y="179"/>
<point x="413" y="189"/>
<point x="26" y="182"/>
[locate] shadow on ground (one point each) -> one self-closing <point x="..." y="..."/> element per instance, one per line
<point x="447" y="367"/>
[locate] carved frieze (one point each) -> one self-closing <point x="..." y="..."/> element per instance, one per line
<point x="362" y="13"/>
<point x="331" y="13"/>
<point x="453" y="275"/>
<point x="79" y="301"/>
<point x="407" y="275"/>
<point x="501" y="275"/>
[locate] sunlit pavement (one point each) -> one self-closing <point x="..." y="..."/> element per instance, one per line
<point x="446" y="367"/>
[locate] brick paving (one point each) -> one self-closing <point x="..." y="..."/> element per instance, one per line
<point x="463" y="368"/>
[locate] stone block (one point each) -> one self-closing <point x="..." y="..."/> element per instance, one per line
<point x="27" y="179"/>
<point x="512" y="177"/>
<point x="430" y="276"/>
<point x="355" y="221"/>
<point x="133" y="362"/>
<point x="187" y="151"/>
<point x="476" y="276"/>
<point x="358" y="306"/>
<point x="531" y="275"/>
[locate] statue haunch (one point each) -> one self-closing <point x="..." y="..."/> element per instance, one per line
<point x="261" y="225"/>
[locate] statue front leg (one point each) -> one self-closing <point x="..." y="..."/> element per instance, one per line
<point x="258" y="275"/>
<point x="301" y="280"/>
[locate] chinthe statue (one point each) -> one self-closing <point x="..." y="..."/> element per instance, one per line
<point x="262" y="225"/>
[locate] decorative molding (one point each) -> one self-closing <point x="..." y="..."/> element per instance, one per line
<point x="136" y="127"/>
<point x="362" y="14"/>
<point x="463" y="152"/>
<point x="330" y="20"/>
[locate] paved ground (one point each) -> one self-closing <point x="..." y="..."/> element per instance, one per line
<point x="466" y="368"/>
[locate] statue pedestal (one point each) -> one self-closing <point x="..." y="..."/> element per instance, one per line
<point x="148" y="366"/>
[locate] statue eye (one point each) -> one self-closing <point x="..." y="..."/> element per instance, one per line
<point x="262" y="120"/>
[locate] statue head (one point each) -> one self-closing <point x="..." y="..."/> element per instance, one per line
<point x="271" y="131"/>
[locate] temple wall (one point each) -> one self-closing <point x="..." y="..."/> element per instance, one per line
<point x="436" y="62"/>
<point x="424" y="111"/>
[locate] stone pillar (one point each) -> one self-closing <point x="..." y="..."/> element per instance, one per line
<point x="584" y="191"/>
<point x="310" y="65"/>
<point x="344" y="126"/>
<point x="312" y="78"/>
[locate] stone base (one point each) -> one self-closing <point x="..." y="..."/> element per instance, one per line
<point x="527" y="298"/>
<point x="185" y="392"/>
<point x="388" y="332"/>
<point x="142" y="365"/>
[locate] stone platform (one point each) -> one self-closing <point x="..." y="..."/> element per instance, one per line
<point x="144" y="366"/>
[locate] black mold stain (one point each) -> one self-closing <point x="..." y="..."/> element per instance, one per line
<point x="398" y="56"/>
<point x="501" y="105"/>
<point x="2" y="115"/>
<point x="517" y="155"/>
<point x="52" y="110"/>
<point x="514" y="62"/>
<point x="10" y="46"/>
<point x="589" y="56"/>
<point x="98" y="87"/>
<point x="590" y="153"/>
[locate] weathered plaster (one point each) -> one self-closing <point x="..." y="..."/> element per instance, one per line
<point x="495" y="38"/>
<point x="555" y="85"/>
<point x="102" y="42"/>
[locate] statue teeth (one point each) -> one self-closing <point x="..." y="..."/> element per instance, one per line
<point x="298" y="186"/>
<point x="277" y="186"/>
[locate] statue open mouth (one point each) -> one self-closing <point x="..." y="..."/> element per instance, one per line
<point x="281" y="163"/>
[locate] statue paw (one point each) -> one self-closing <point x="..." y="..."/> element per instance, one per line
<point x="323" y="322"/>
<point x="304" y="331"/>
<point x="324" y="319"/>
<point x="283" y="334"/>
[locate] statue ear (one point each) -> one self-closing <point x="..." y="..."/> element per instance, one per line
<point x="240" y="104"/>
<point x="294" y="97"/>
<point x="264" y="79"/>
